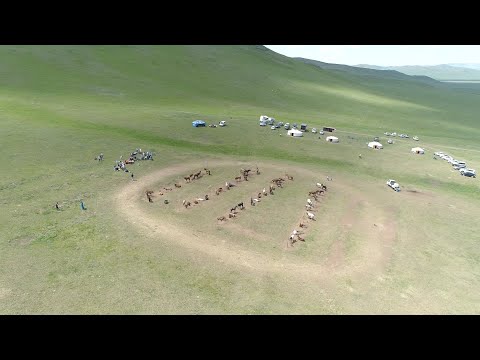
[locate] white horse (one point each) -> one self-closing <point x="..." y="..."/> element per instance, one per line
<point x="310" y="215"/>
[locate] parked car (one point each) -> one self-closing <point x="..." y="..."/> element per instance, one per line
<point x="222" y="123"/>
<point x="314" y="130"/>
<point x="287" y="126"/>
<point x="415" y="138"/>
<point x="393" y="184"/>
<point x="468" y="172"/>
<point x="321" y="132"/>
<point x="273" y="127"/>
<point x="458" y="167"/>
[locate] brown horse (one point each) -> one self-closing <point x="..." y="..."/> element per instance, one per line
<point x="187" y="179"/>
<point x="167" y="189"/>
<point x="178" y="185"/>
<point x="221" y="218"/>
<point x="206" y="197"/>
<point x="238" y="178"/>
<point x="231" y="215"/>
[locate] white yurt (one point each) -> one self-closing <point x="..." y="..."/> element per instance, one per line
<point x="418" y="150"/>
<point x="375" y="145"/>
<point x="295" y="133"/>
<point x="332" y="139"/>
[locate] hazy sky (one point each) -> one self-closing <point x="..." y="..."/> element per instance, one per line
<point x="383" y="55"/>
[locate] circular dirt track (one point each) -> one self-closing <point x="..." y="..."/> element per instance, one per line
<point x="376" y="225"/>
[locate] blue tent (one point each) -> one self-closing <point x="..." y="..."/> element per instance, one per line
<point x="198" y="123"/>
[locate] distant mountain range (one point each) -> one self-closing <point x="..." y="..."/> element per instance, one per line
<point x="369" y="71"/>
<point x="445" y="72"/>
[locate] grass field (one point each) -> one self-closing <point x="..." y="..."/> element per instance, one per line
<point x="370" y="250"/>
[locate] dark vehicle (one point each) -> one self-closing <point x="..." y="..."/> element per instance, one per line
<point x="303" y="127"/>
<point x="329" y="129"/>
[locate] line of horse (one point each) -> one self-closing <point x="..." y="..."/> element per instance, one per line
<point x="310" y="213"/>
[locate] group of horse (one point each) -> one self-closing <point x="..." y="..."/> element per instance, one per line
<point x="310" y="213"/>
<point x="254" y="201"/>
<point x="197" y="175"/>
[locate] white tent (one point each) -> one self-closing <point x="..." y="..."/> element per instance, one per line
<point x="295" y="133"/>
<point x="418" y="150"/>
<point x="333" y="139"/>
<point x="375" y="145"/>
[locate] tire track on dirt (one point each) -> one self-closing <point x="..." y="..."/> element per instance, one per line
<point x="126" y="203"/>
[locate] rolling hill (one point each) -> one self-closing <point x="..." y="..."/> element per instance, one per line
<point x="370" y="250"/>
<point x="438" y="72"/>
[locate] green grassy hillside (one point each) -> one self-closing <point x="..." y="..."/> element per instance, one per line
<point x="62" y="105"/>
<point x="438" y="72"/>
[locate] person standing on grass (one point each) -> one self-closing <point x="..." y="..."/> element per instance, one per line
<point x="82" y="205"/>
<point x="57" y="206"/>
<point x="132" y="176"/>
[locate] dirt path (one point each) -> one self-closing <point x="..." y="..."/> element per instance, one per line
<point x="126" y="202"/>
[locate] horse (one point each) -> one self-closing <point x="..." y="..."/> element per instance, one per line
<point x="231" y="215"/>
<point x="206" y="197"/>
<point x="187" y="179"/>
<point x="186" y="204"/>
<point x="178" y="185"/>
<point x="238" y="178"/>
<point x="289" y="177"/>
<point x="195" y="202"/>
<point x="265" y="192"/>
<point x="302" y="225"/>
<point x="310" y="215"/>
<point x="259" y="195"/>
<point x="167" y="189"/>
<point x="221" y="218"/>
<point x="258" y="171"/>
<point x="309" y="202"/>
<point x="232" y="210"/>
<point x="240" y="205"/>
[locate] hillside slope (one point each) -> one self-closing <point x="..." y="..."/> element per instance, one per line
<point x="438" y="72"/>
<point x="112" y="85"/>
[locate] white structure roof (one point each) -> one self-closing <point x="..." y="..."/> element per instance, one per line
<point x="374" y="144"/>
<point x="331" y="139"/>
<point x="418" y="150"/>
<point x="295" y="132"/>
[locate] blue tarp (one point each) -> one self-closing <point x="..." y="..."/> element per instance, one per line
<point x="198" y="123"/>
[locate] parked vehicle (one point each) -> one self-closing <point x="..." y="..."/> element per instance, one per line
<point x="394" y="185"/>
<point x="222" y="123"/>
<point x="468" y="172"/>
<point x="314" y="130"/>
